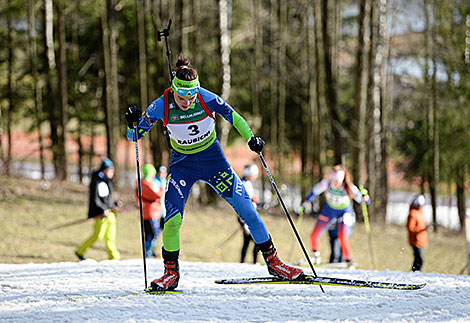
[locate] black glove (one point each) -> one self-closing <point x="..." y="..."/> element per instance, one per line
<point x="133" y="114"/>
<point x="256" y="144"/>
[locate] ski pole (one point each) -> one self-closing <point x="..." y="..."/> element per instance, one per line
<point x="220" y="246"/>
<point x="142" y="233"/>
<point x="365" y="214"/>
<point x="166" y="33"/>
<point x="68" y="224"/>
<point x="288" y="216"/>
<point x="74" y="222"/>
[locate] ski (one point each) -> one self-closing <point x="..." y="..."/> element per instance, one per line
<point x="310" y="280"/>
<point x="149" y="292"/>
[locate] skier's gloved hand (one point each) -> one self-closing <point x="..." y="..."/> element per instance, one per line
<point x="256" y="144"/>
<point x="302" y="208"/>
<point x="132" y="115"/>
<point x="364" y="191"/>
<point x="365" y="194"/>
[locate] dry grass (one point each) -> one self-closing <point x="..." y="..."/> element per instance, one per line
<point x="29" y="207"/>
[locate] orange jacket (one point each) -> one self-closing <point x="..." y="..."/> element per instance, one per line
<point x="151" y="200"/>
<point x="417" y="234"/>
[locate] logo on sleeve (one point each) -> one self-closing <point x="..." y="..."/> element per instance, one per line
<point x="219" y="100"/>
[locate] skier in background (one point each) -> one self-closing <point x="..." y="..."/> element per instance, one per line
<point x="151" y="207"/>
<point x="160" y="181"/>
<point x="250" y="173"/>
<point x="102" y="207"/>
<point x="339" y="191"/>
<point x="336" y="255"/>
<point x="188" y="111"/>
<point x="417" y="234"/>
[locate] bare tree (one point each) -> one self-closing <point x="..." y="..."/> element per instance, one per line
<point x="63" y="95"/>
<point x="256" y="64"/>
<point x="143" y="83"/>
<point x="225" y="11"/>
<point x="282" y="56"/>
<point x="435" y="127"/>
<point x="331" y="82"/>
<point x="274" y="76"/>
<point x="50" y="72"/>
<point x="37" y="84"/>
<point x="10" y="90"/>
<point x="371" y="106"/>
<point x="430" y="84"/>
<point x="382" y="142"/>
<point x="110" y="54"/>
<point x="359" y="108"/>
<point x="319" y="151"/>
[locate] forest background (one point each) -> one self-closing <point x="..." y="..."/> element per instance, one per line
<point x="378" y="85"/>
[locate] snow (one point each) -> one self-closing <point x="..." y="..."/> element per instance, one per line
<point x="37" y="292"/>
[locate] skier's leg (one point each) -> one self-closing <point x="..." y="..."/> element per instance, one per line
<point x="321" y="225"/>
<point x="230" y="188"/>
<point x="246" y="242"/>
<point x="155" y="224"/>
<point x="343" y="236"/>
<point x="110" y="234"/>
<point x="98" y="234"/>
<point x="149" y="235"/>
<point x="345" y="222"/>
<point x="255" y="252"/>
<point x="179" y="186"/>
<point x="418" y="260"/>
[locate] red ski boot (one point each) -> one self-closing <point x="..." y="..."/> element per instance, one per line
<point x="275" y="265"/>
<point x="171" y="276"/>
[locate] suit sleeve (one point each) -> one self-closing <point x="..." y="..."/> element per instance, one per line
<point x="154" y="112"/>
<point x="216" y="104"/>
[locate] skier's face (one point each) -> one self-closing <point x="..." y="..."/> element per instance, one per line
<point x="337" y="177"/>
<point x="184" y="102"/>
<point x="109" y="172"/>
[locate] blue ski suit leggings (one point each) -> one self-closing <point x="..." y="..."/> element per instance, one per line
<point x="210" y="166"/>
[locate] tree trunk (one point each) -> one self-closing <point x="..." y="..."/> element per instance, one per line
<point x="63" y="95"/>
<point x="37" y="84"/>
<point x="384" y="109"/>
<point x="49" y="64"/>
<point x="461" y="207"/>
<point x="371" y="104"/>
<point x="91" y="153"/>
<point x="256" y="66"/>
<point x="141" y="22"/>
<point x="429" y="83"/>
<point x="331" y="84"/>
<point x="142" y="53"/>
<point x="359" y="108"/>
<point x="10" y="91"/>
<point x="81" y="151"/>
<point x="306" y="97"/>
<point x="274" y="76"/>
<point x="110" y="50"/>
<point x="282" y="141"/>
<point x="319" y="156"/>
<point x="435" y="124"/>
<point x="225" y="47"/>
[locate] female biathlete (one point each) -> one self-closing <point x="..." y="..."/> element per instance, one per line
<point x="188" y="112"/>
<point x="339" y="191"/>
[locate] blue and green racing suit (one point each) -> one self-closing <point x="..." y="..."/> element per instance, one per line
<point x="337" y="209"/>
<point x="197" y="156"/>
